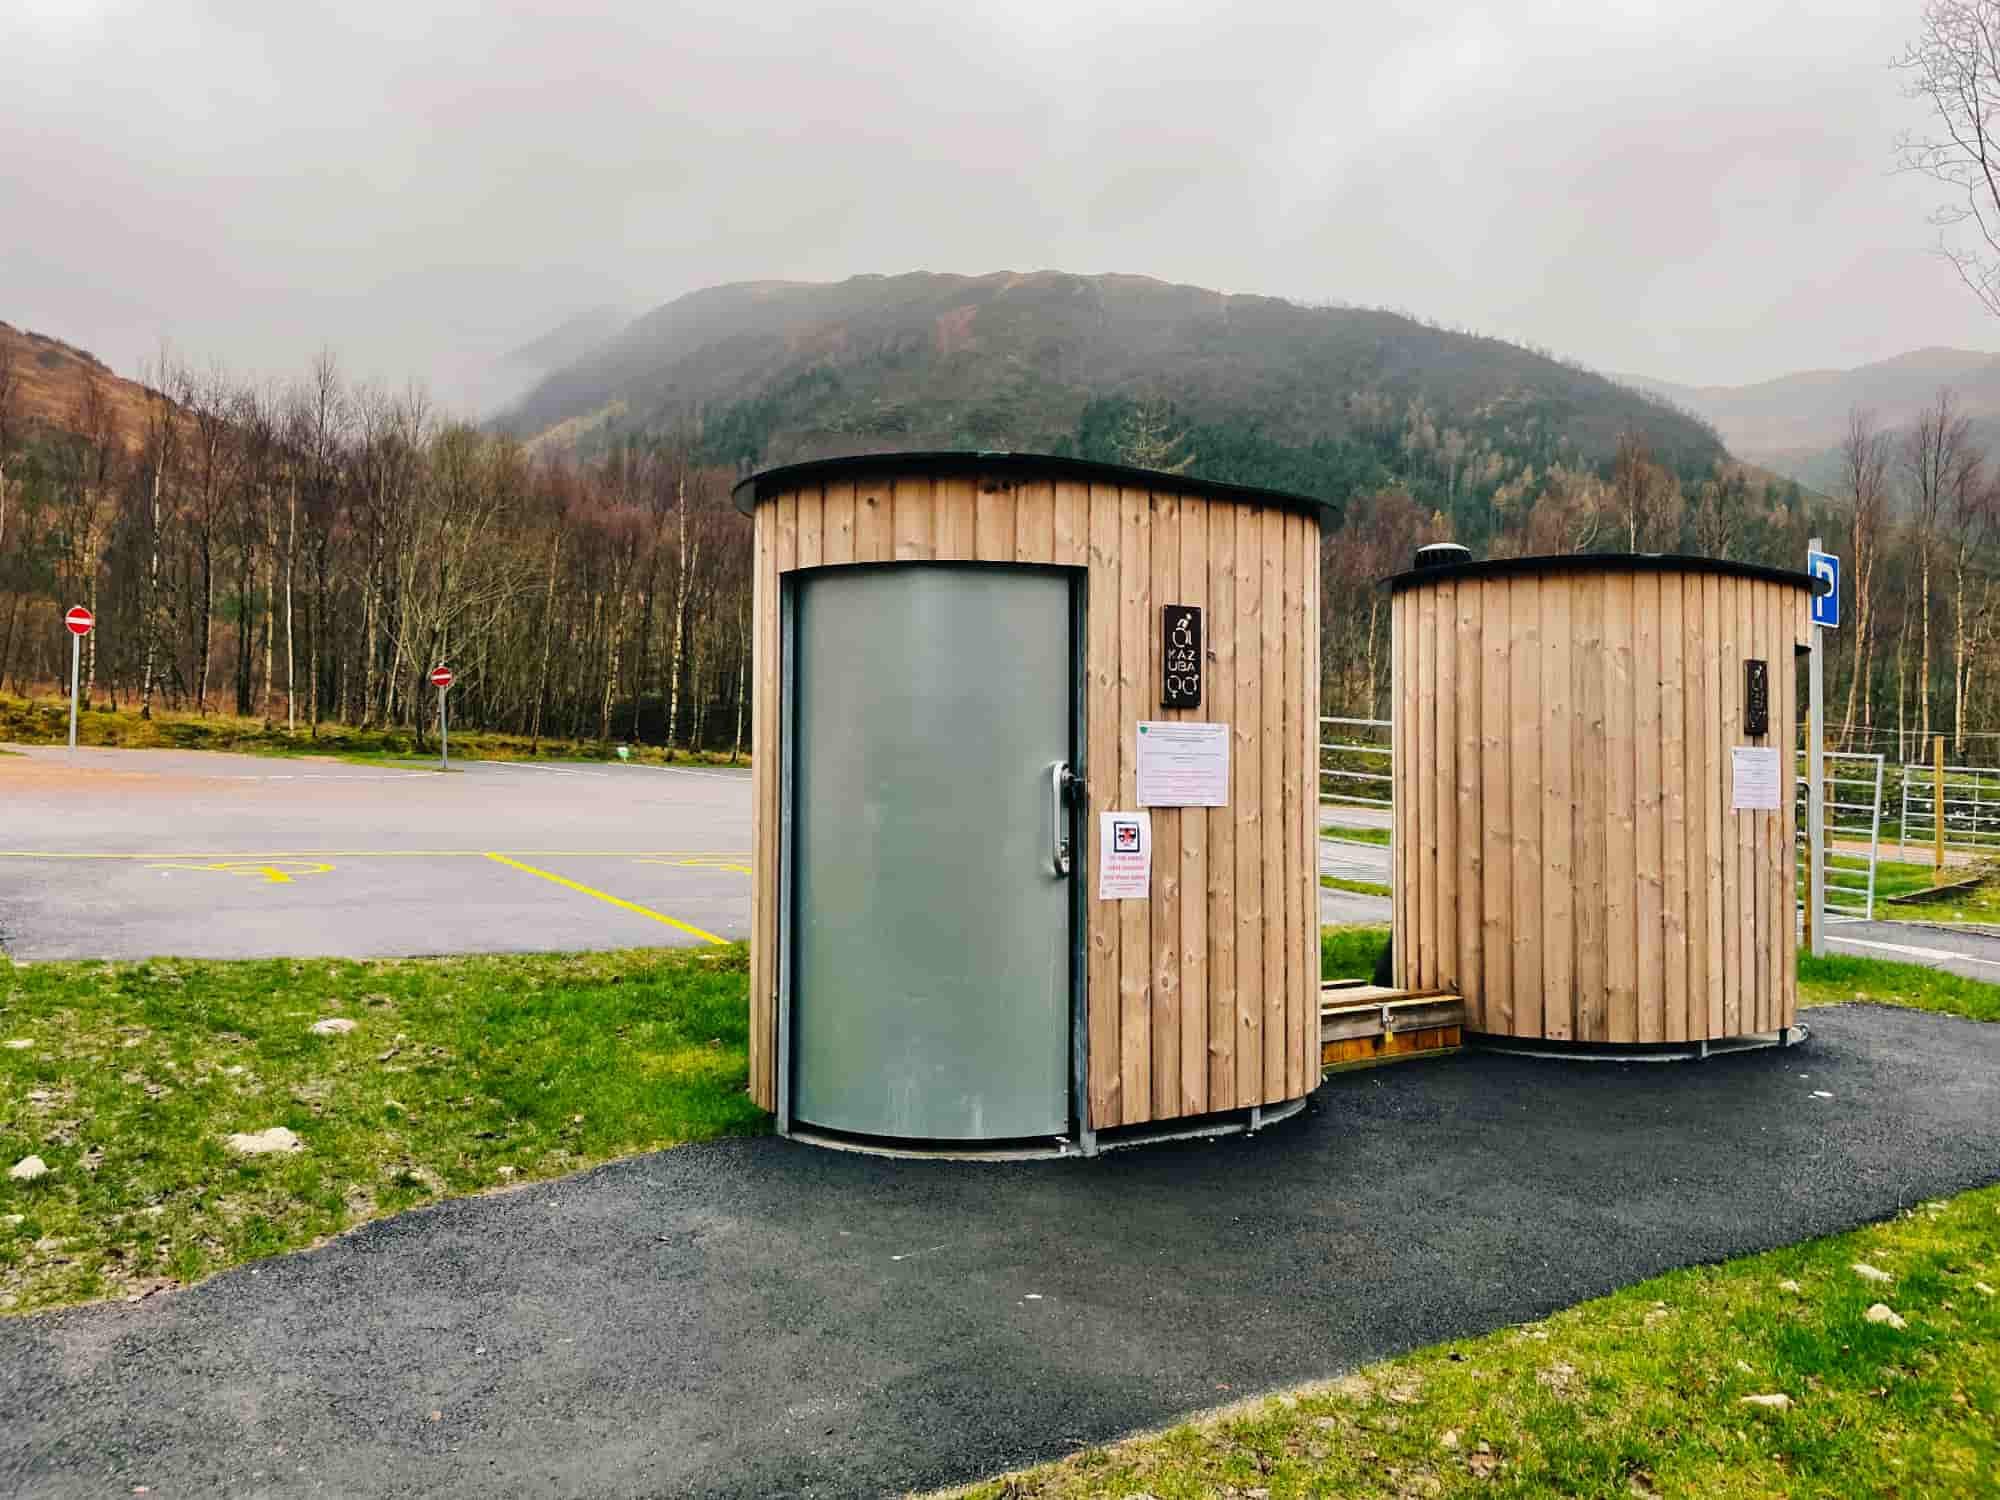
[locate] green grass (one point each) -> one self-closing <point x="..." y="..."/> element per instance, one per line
<point x="1358" y="887"/>
<point x="462" y="1075"/>
<point x="46" y="722"/>
<point x="1349" y="835"/>
<point x="1833" y="980"/>
<point x="1350" y="952"/>
<point x="1640" y="1394"/>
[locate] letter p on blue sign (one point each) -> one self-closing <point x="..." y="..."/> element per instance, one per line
<point x="1826" y="606"/>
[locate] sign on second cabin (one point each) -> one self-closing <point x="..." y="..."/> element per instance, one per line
<point x="1180" y="656"/>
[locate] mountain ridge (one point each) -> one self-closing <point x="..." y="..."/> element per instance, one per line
<point x="787" y="369"/>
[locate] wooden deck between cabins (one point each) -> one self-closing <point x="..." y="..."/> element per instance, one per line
<point x="1362" y="1025"/>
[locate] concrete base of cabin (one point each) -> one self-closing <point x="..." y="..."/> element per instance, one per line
<point x="1228" y="1122"/>
<point x="1634" y="1052"/>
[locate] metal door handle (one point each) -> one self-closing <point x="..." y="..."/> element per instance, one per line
<point x="1059" y="779"/>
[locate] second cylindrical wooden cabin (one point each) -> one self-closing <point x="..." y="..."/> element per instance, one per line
<point x="1580" y="850"/>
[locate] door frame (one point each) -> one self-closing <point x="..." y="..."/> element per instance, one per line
<point x="1075" y="814"/>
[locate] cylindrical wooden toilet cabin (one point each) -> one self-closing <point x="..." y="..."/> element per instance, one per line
<point x="1033" y="775"/>
<point x="1594" y="817"/>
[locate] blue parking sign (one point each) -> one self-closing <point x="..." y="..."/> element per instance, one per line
<point x="1826" y="606"/>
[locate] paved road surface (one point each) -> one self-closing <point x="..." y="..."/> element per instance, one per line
<point x="140" y="853"/>
<point x="1972" y="954"/>
<point x="759" y="1318"/>
<point x="134" y="854"/>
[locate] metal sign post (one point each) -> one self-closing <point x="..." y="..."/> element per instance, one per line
<point x="1825" y="612"/>
<point x="441" y="680"/>
<point x="78" y="622"/>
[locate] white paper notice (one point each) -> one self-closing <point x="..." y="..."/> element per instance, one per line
<point x="1183" y="764"/>
<point x="1124" y="856"/>
<point x="1754" y="782"/>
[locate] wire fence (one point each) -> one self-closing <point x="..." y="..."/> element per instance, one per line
<point x="1969" y="798"/>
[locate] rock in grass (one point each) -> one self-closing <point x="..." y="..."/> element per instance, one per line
<point x="276" y="1140"/>
<point x="331" y="1026"/>
<point x="1867" y="1272"/>
<point x="1789" y="1285"/>
<point x="17" y="1044"/>
<point x="28" y="1168"/>
<point x="1881" y="1312"/>
<point x="1771" y="1401"/>
<point x="1982" y="1288"/>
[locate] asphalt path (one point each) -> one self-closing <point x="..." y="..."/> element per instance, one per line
<point x="137" y="854"/>
<point x="756" y="1317"/>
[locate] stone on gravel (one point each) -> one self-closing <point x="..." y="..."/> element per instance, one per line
<point x="28" y="1168"/>
<point x="331" y="1026"/>
<point x="1881" y="1312"/>
<point x="1772" y="1401"/>
<point x="1871" y="1273"/>
<point x="264" y="1142"/>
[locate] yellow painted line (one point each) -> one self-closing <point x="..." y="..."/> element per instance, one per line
<point x="206" y="854"/>
<point x="643" y="911"/>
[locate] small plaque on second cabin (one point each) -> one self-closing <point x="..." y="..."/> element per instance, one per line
<point x="1180" y="656"/>
<point x="1756" y="698"/>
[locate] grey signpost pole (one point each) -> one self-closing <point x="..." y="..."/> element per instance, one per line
<point x="75" y="677"/>
<point x="444" y="733"/>
<point x="1816" y="786"/>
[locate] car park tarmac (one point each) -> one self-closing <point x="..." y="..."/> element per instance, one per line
<point x="123" y="854"/>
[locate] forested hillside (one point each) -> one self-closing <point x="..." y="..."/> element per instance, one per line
<point x="1331" y="401"/>
<point x="306" y="551"/>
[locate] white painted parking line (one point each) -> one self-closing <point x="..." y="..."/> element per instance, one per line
<point x="691" y="771"/>
<point x="1939" y="954"/>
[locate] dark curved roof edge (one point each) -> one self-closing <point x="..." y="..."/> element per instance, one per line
<point x="763" y="485"/>
<point x="1602" y="562"/>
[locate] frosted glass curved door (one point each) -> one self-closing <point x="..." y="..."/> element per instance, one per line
<point x="931" y="958"/>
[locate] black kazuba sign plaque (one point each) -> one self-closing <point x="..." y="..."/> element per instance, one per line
<point x="1180" y="656"/>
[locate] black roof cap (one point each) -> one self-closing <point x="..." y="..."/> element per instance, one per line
<point x="1602" y="562"/>
<point x="1033" y="465"/>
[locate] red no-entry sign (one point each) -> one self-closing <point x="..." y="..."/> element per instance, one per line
<point x="79" y="620"/>
<point x="441" y="677"/>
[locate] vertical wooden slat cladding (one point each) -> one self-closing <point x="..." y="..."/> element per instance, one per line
<point x="1272" y="824"/>
<point x="1206" y="997"/>
<point x="1193" y="935"/>
<point x="763" y="786"/>
<point x="1565" y="852"/>
<point x="1135" y="970"/>
<point x="1165" y="907"/>
<point x="1107" y="1091"/>
<point x="1219" y="622"/>
<point x="1469" y="668"/>
<point x="1246" y="771"/>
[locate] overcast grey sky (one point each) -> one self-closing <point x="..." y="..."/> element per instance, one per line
<point x="1697" y="190"/>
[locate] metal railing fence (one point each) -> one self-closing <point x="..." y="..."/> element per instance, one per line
<point x="1971" y="809"/>
<point x="1356" y="763"/>
<point x="1853" y="844"/>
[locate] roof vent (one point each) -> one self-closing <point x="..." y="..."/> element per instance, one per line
<point x="1442" y="555"/>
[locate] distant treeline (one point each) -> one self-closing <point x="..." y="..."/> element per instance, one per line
<point x="309" y="552"/>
